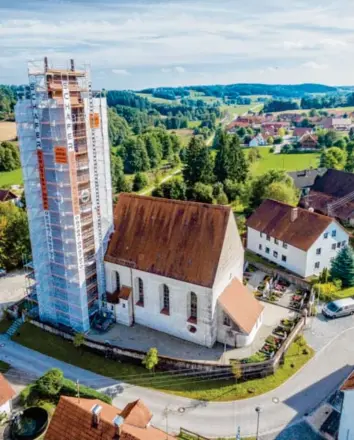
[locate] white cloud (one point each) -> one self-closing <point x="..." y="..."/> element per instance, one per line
<point x="180" y="69"/>
<point x="165" y="70"/>
<point x="314" y="65"/>
<point x="122" y="72"/>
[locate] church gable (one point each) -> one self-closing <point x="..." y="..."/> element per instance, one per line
<point x="175" y="239"/>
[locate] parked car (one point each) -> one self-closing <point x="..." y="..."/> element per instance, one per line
<point x="2" y="272"/>
<point x="339" y="308"/>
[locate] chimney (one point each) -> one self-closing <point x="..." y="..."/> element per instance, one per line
<point x="118" y="422"/>
<point x="294" y="214"/>
<point x="96" y="413"/>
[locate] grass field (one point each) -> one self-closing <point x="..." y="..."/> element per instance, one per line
<point x="185" y="134"/>
<point x="7" y="131"/>
<point x="157" y="100"/>
<point x="9" y="178"/>
<point x="191" y="387"/>
<point x="288" y="162"/>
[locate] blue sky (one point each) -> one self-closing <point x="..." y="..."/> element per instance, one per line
<point x="149" y="43"/>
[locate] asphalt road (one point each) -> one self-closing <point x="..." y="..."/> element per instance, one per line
<point x="281" y="407"/>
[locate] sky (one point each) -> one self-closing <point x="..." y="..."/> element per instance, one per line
<point x="148" y="43"/>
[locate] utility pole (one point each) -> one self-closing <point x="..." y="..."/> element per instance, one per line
<point x="258" y="411"/>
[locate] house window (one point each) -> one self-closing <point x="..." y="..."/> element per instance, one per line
<point x="285" y="245"/>
<point x="334" y="246"/>
<point x="318" y="251"/>
<point x="325" y="235"/>
<point x="338" y="245"/>
<point x="276" y="241"/>
<point x="166" y="300"/>
<point x="193" y="307"/>
<point x="227" y="320"/>
<point x="267" y="250"/>
<point x="261" y="234"/>
<point x="283" y="258"/>
<point x="344" y="243"/>
<point x="334" y="233"/>
<point x="260" y="247"/>
<point x="117" y="281"/>
<point x="275" y="254"/>
<point x="140" y="292"/>
<point x="317" y="265"/>
<point x="268" y="238"/>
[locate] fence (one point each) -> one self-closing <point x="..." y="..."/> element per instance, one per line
<point x="248" y="371"/>
<point x="291" y="278"/>
<point x="185" y="434"/>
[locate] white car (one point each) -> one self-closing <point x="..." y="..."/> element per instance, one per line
<point x="339" y="308"/>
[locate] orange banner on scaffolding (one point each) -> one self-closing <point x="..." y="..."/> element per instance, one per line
<point x="73" y="180"/>
<point x="60" y="154"/>
<point x="94" y="120"/>
<point x="42" y="180"/>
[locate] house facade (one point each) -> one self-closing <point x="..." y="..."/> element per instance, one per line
<point x="6" y="396"/>
<point x="258" y="141"/>
<point x="177" y="267"/>
<point x="309" y="141"/>
<point x="299" y="240"/>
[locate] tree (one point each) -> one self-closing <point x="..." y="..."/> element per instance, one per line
<point x="340" y="143"/>
<point x="50" y="383"/>
<point x="220" y="169"/>
<point x="174" y="188"/>
<point x="136" y="158"/>
<point x="118" y="128"/>
<point x="270" y="140"/>
<point x="349" y="165"/>
<point x="167" y="148"/>
<point x="140" y="181"/>
<point x="333" y="158"/>
<point x="329" y="138"/>
<point x="119" y="181"/>
<point x="253" y="155"/>
<point x="261" y="183"/>
<point x="281" y="132"/>
<point x="350" y="147"/>
<point x="237" y="166"/>
<point x="153" y="149"/>
<point x="236" y="370"/>
<point x="78" y="340"/>
<point x="151" y="359"/>
<point x="199" y="163"/>
<point x="9" y="157"/>
<point x="202" y="193"/>
<point x="324" y="275"/>
<point x="342" y="266"/>
<point x="14" y="235"/>
<point x="281" y="192"/>
<point x="219" y="194"/>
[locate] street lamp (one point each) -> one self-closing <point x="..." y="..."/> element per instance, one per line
<point x="258" y="411"/>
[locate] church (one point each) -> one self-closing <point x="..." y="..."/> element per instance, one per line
<point x="177" y="267"/>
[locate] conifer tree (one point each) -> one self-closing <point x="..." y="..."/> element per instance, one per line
<point x="237" y="165"/>
<point x="342" y="267"/>
<point x="222" y="155"/>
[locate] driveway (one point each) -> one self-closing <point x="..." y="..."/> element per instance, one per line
<point x="281" y="407"/>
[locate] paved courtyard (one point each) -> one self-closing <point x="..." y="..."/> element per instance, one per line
<point x="143" y="338"/>
<point x="11" y="289"/>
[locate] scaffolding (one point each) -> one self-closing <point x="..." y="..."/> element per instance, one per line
<point x="65" y="159"/>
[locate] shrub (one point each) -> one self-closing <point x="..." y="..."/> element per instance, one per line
<point x="50" y="383"/>
<point x="325" y="291"/>
<point x="140" y="181"/>
<point x="300" y="340"/>
<point x="69" y="388"/>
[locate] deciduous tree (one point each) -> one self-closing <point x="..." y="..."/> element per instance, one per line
<point x="333" y="158"/>
<point x="151" y="359"/>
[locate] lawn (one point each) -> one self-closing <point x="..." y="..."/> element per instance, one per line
<point x="345" y="293"/>
<point x="157" y="100"/>
<point x="4" y="325"/>
<point x="8" y="178"/>
<point x="185" y="135"/>
<point x="4" y="367"/>
<point x="288" y="162"/>
<point x="194" y="387"/>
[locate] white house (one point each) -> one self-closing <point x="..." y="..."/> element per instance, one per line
<point x="346" y="424"/>
<point x="6" y="396"/>
<point x="177" y="267"/>
<point x="258" y="141"/>
<point x="300" y="240"/>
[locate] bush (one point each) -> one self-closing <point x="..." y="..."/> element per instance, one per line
<point x="300" y="340"/>
<point x="50" y="383"/>
<point x="325" y="291"/>
<point x="140" y="181"/>
<point x="69" y="388"/>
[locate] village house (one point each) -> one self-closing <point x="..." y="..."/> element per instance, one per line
<point x="177" y="267"/>
<point x="235" y="125"/>
<point x="8" y="196"/>
<point x="273" y="128"/>
<point x="338" y="124"/>
<point x="6" y="396"/>
<point x="258" y="141"/>
<point x="309" y="141"/>
<point x="91" y="419"/>
<point x="305" y="179"/>
<point x="299" y="132"/>
<point x="332" y="194"/>
<point x="346" y="424"/>
<point x="297" y="239"/>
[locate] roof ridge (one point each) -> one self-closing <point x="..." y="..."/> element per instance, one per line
<point x="301" y="209"/>
<point x="175" y="201"/>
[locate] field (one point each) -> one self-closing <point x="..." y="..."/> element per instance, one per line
<point x="184" y="134"/>
<point x="288" y="162"/>
<point x="7" y="131"/>
<point x="9" y="178"/>
<point x="241" y="109"/>
<point x="157" y="100"/>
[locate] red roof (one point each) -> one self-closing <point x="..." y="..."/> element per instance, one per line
<point x="300" y="131"/>
<point x="73" y="420"/>
<point x="241" y="305"/>
<point x="6" y="391"/>
<point x="274" y="219"/>
<point x="171" y="238"/>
